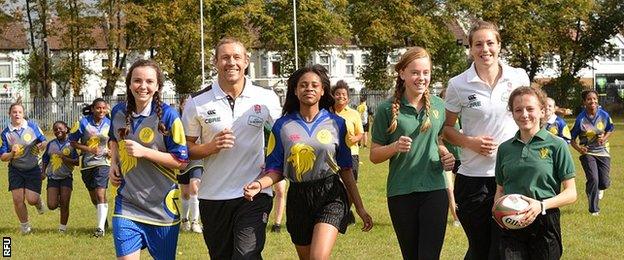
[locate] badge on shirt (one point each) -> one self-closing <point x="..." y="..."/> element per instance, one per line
<point x="255" y="121"/>
<point x="473" y="101"/>
<point x="324" y="136"/>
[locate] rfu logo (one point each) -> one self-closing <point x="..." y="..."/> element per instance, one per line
<point x="211" y="112"/>
<point x="472" y="97"/>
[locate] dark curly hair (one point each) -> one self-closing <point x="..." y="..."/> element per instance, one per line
<point x="292" y="102"/>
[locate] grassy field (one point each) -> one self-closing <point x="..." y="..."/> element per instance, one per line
<point x="584" y="236"/>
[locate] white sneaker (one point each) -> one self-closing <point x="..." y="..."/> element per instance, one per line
<point x="595" y="213"/>
<point x="26" y="229"/>
<point x="40" y="207"/>
<point x="196" y="227"/>
<point x="185" y="225"/>
<point x="600" y="194"/>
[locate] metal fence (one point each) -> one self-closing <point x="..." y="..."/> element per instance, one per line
<point x="46" y="111"/>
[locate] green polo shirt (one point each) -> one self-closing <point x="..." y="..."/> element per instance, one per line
<point x="535" y="169"/>
<point x="419" y="169"/>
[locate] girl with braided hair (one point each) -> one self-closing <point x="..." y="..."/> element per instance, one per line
<point x="406" y="131"/>
<point x="142" y="165"/>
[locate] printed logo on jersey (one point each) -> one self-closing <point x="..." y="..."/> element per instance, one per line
<point x="435" y="113"/>
<point x="473" y="101"/>
<point x="27" y="137"/>
<point x="255" y="121"/>
<point x="75" y="127"/>
<point x="294" y="137"/>
<point x="172" y="202"/>
<point x="66" y="151"/>
<point x="93" y="142"/>
<point x="56" y="162"/>
<point x="211" y="116"/>
<point x="302" y="158"/>
<point x="600" y="125"/>
<point x="544" y="153"/>
<point x="146" y="135"/>
<point x="20" y="151"/>
<point x="552" y="129"/>
<point x="324" y="136"/>
<point x="127" y="162"/>
<point x="257" y="108"/>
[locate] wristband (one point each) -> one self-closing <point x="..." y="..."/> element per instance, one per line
<point x="543" y="207"/>
<point x="259" y="184"/>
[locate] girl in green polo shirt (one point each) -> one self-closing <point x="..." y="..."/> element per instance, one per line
<point x="535" y="164"/>
<point x="406" y="131"/>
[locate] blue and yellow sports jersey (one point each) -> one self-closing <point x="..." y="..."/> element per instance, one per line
<point x="588" y="129"/>
<point x="558" y="127"/>
<point x="149" y="192"/>
<point x="92" y="135"/>
<point x="26" y="136"/>
<point x="56" y="169"/>
<point x="304" y="151"/>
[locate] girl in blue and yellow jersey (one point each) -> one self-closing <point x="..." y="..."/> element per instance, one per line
<point x="308" y="146"/>
<point x="555" y="124"/>
<point x="593" y="127"/>
<point x="58" y="164"/>
<point x="147" y="144"/>
<point x="21" y="142"/>
<point x="90" y="136"/>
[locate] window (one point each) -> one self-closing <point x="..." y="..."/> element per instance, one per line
<point x="324" y="61"/>
<point x="275" y="66"/>
<point x="549" y="61"/>
<point x="365" y="58"/>
<point x="349" y="67"/>
<point x="621" y="55"/>
<point x="394" y="58"/>
<point x="264" y="70"/>
<point x="618" y="57"/>
<point x="5" y="69"/>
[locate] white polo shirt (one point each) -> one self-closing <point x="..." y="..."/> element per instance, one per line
<point x="483" y="111"/>
<point x="207" y="113"/>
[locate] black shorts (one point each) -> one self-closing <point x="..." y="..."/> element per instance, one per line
<point x="96" y="177"/>
<point x="366" y="127"/>
<point x="312" y="202"/>
<point x="195" y="172"/>
<point x="29" y="179"/>
<point x="540" y="240"/>
<point x="67" y="182"/>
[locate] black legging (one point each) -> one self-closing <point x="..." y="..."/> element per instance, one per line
<point x="419" y="221"/>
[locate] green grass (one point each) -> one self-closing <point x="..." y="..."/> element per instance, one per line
<point x="584" y="237"/>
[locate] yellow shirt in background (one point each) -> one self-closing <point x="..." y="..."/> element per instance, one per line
<point x="354" y="127"/>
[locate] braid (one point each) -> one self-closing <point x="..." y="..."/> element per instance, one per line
<point x="426" y="100"/>
<point x="161" y="127"/>
<point x="124" y="132"/>
<point x="396" y="104"/>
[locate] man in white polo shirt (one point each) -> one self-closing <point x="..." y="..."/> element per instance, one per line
<point x="228" y="117"/>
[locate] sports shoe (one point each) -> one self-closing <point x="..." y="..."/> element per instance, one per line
<point x="98" y="232"/>
<point x="196" y="227"/>
<point x="595" y="213"/>
<point x="185" y="225"/>
<point x="40" y="207"/>
<point x="26" y="229"/>
<point x="600" y="194"/>
<point x="276" y="228"/>
<point x="60" y="230"/>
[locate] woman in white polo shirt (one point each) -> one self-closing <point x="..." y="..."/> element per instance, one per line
<point x="479" y="96"/>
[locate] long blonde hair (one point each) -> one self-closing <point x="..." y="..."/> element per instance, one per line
<point x="399" y="88"/>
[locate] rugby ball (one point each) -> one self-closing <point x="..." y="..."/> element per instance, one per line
<point x="506" y="211"/>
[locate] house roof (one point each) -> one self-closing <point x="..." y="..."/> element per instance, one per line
<point x="96" y="33"/>
<point x="13" y="37"/>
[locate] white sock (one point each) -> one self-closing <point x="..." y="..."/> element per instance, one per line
<point x="185" y="209"/>
<point x="25" y="224"/>
<point x="194" y="205"/>
<point x="102" y="213"/>
<point x="62" y="227"/>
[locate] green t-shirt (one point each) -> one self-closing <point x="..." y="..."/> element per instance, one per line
<point x="419" y="169"/>
<point x="535" y="169"/>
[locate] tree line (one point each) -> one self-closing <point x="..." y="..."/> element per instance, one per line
<point x="533" y="32"/>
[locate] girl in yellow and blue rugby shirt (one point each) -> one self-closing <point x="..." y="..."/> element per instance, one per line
<point x="58" y="164"/>
<point x="307" y="145"/>
<point x="21" y="142"/>
<point x="555" y="124"/>
<point x="90" y="136"/>
<point x="147" y="143"/>
<point x="593" y="127"/>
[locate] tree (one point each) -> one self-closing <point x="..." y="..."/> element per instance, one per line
<point x="320" y="26"/>
<point x="38" y="63"/>
<point x="180" y="51"/>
